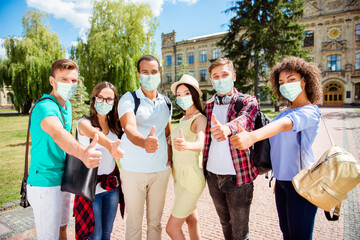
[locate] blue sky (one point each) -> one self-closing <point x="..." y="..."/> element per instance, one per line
<point x="69" y="18"/>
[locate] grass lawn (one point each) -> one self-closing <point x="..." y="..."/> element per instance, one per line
<point x="8" y="110"/>
<point x="12" y="150"/>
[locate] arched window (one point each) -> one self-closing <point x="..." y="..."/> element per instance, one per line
<point x="357" y="32"/>
<point x="357" y="61"/>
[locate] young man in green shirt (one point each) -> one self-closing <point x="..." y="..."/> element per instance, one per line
<point x="51" y="140"/>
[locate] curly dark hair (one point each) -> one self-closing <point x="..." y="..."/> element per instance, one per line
<point x="308" y="70"/>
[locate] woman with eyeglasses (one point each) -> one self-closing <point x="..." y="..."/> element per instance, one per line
<point x="95" y="220"/>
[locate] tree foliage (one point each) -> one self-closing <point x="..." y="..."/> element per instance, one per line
<point x="121" y="33"/>
<point x="262" y="32"/>
<point x="27" y="65"/>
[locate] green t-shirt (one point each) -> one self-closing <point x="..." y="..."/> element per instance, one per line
<point x="47" y="158"/>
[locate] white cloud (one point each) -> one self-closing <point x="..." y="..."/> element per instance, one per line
<point x="77" y="12"/>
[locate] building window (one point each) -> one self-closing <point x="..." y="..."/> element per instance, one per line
<point x="168" y="77"/>
<point x="192" y="73"/>
<point x="191" y="57"/>
<point x="203" y="75"/>
<point x="333" y="63"/>
<point x="309" y="39"/>
<point x="357" y="61"/>
<point x="178" y="59"/>
<point x="203" y="56"/>
<point x="216" y="53"/>
<point x="168" y="60"/>
<point x="357" y="91"/>
<point x="357" y="32"/>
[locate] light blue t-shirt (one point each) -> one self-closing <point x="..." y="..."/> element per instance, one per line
<point x="285" y="146"/>
<point x="136" y="159"/>
<point x="47" y="158"/>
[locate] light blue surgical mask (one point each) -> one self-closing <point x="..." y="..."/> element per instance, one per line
<point x="150" y="82"/>
<point x="103" y="108"/>
<point x="223" y="85"/>
<point x="291" y="91"/>
<point x="66" y="90"/>
<point x="184" y="102"/>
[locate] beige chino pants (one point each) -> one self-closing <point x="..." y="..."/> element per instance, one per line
<point x="139" y="188"/>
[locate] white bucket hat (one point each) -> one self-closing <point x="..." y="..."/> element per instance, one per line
<point x="187" y="79"/>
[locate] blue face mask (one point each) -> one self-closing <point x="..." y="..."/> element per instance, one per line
<point x="150" y="82"/>
<point x="291" y="91"/>
<point x="184" y="102"/>
<point x="103" y="108"/>
<point x="224" y="85"/>
<point x="66" y="90"/>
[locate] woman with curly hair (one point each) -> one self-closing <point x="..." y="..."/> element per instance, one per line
<point x="291" y="134"/>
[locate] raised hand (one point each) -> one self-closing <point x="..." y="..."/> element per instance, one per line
<point x="179" y="143"/>
<point x="151" y="142"/>
<point x="115" y="151"/>
<point x="219" y="131"/>
<point x="242" y="140"/>
<point x="91" y="157"/>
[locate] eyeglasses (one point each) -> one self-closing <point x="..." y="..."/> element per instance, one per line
<point x="109" y="101"/>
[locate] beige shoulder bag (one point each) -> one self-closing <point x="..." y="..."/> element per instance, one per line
<point x="327" y="182"/>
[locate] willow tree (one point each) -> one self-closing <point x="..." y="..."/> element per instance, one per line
<point x="261" y="33"/>
<point x="120" y="33"/>
<point x="27" y="65"/>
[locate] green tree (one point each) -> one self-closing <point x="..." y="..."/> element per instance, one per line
<point x="121" y="32"/>
<point x="80" y="101"/>
<point x="261" y="33"/>
<point x="27" y="65"/>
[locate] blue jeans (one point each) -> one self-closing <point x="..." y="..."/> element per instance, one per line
<point x="296" y="214"/>
<point x="232" y="204"/>
<point x="105" y="208"/>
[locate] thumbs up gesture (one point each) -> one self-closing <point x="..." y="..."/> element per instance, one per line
<point x="151" y="142"/>
<point x="115" y="151"/>
<point x="242" y="140"/>
<point x="179" y="143"/>
<point x="219" y="131"/>
<point x="91" y="156"/>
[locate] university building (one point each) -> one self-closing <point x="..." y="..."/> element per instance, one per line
<point x="332" y="34"/>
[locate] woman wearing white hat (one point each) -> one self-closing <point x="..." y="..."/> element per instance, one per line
<point x="187" y="144"/>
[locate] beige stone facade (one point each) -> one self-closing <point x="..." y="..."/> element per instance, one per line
<point x="190" y="56"/>
<point x="5" y="98"/>
<point x="332" y="34"/>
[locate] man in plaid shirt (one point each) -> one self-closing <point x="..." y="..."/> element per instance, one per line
<point x="229" y="172"/>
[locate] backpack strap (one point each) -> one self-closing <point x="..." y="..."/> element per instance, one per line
<point x="168" y="103"/>
<point x="136" y="101"/>
<point x="239" y="102"/>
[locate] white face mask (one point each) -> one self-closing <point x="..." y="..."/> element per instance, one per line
<point x="150" y="82"/>
<point x="66" y="90"/>
<point x="223" y="85"/>
<point x="291" y="91"/>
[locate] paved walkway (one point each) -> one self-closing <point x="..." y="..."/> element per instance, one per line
<point x="344" y="126"/>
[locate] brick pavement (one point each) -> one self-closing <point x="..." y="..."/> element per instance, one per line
<point x="344" y="126"/>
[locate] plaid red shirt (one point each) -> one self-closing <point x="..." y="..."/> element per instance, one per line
<point x="244" y="166"/>
<point x="83" y="209"/>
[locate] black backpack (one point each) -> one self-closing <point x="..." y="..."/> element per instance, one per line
<point x="260" y="151"/>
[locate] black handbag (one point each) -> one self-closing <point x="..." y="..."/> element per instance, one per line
<point x="78" y="179"/>
<point x="23" y="200"/>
